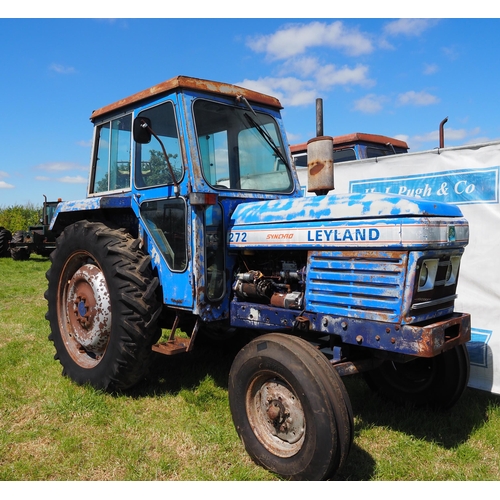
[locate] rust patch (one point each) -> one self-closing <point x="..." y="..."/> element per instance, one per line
<point x="316" y="168"/>
<point x="174" y="346"/>
<point x="443" y="335"/>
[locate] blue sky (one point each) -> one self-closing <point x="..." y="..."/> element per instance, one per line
<point x="397" y="77"/>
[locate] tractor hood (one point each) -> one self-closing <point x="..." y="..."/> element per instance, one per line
<point x="340" y="207"/>
<point x="351" y="220"/>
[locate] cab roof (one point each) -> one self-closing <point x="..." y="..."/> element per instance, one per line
<point x="186" y="82"/>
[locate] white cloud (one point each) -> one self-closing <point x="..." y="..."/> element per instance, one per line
<point x="3" y="184"/>
<point x="302" y="77"/>
<point x="329" y="75"/>
<point x="290" y="91"/>
<point x="451" y="53"/>
<point x="371" y="103"/>
<point x="293" y="91"/>
<point x="77" y="179"/>
<point x="450" y="134"/>
<point x="60" y="166"/>
<point x="421" y="98"/>
<point x="402" y="137"/>
<point x="430" y="69"/>
<point x="6" y="185"/>
<point x="478" y="140"/>
<point x="326" y="76"/>
<point x="295" y="39"/>
<point x="60" y="68"/>
<point x="409" y="27"/>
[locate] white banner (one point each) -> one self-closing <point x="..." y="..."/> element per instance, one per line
<point x="467" y="176"/>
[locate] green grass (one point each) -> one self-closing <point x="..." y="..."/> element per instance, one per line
<point x="176" y="425"/>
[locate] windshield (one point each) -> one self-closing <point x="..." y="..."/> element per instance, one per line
<point x="240" y="150"/>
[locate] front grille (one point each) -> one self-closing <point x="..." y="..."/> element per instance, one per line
<point x="363" y="285"/>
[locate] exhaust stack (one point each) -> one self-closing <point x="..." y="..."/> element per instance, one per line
<point x="320" y="170"/>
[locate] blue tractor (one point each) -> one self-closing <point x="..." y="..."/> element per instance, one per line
<point x="195" y="221"/>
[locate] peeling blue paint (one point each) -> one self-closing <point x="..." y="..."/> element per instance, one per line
<point x="95" y="203"/>
<point x="339" y="207"/>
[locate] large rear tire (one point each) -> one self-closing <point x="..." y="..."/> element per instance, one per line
<point x="5" y="237"/>
<point x="437" y="382"/>
<point x="290" y="408"/>
<point x="103" y="306"/>
<point x="19" y="253"/>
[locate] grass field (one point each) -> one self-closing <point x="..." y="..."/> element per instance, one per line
<point x="176" y="426"/>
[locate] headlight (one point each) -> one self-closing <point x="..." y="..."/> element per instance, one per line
<point x="452" y="270"/>
<point x="427" y="276"/>
<point x="424" y="274"/>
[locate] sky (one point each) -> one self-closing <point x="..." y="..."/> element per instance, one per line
<point x="395" y="76"/>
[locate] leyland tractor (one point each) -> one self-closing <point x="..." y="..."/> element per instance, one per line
<point x="195" y="222"/>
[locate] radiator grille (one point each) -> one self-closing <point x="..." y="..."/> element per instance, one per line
<point x="364" y="285"/>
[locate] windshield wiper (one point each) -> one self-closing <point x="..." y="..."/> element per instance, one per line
<point x="267" y="137"/>
<point x="262" y="131"/>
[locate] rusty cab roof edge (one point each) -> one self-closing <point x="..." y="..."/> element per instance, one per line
<point x="350" y="139"/>
<point x="187" y="82"/>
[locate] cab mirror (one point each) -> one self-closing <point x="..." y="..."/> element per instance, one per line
<point x="142" y="127"/>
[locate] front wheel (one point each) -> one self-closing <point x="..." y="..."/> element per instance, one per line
<point x="437" y="382"/>
<point x="102" y="306"/>
<point x="290" y="408"/>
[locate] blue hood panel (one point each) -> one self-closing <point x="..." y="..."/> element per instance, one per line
<point x="339" y="207"/>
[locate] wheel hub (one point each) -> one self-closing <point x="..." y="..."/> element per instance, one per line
<point x="89" y="309"/>
<point x="277" y="417"/>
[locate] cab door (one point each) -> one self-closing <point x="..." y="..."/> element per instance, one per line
<point x="160" y="186"/>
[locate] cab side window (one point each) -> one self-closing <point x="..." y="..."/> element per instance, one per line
<point x="151" y="165"/>
<point x="111" y="164"/>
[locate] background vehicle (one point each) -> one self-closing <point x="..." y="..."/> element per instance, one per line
<point x="37" y="239"/>
<point x="357" y="146"/>
<point x="195" y="220"/>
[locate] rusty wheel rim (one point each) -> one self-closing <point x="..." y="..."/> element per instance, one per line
<point x="84" y="310"/>
<point x="276" y="415"/>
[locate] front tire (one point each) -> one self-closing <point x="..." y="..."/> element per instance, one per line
<point x="437" y="382"/>
<point x="290" y="408"/>
<point x="102" y="306"/>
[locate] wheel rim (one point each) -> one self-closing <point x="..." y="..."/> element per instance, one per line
<point x="84" y="310"/>
<point x="276" y="415"/>
<point x="413" y="377"/>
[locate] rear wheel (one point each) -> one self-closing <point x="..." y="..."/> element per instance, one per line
<point x="5" y="237"/>
<point x="437" y="382"/>
<point x="102" y="306"/>
<point x="19" y="253"/>
<point x="290" y="408"/>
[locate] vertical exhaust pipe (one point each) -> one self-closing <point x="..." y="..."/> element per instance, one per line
<point x="319" y="117"/>
<point x="441" y="133"/>
<point x="320" y="158"/>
